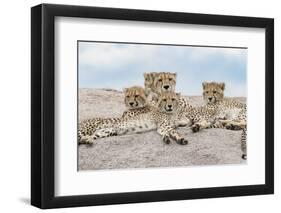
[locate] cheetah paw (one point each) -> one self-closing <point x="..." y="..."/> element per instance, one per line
<point x="89" y="140"/>
<point x="195" y="127"/>
<point x="166" y="139"/>
<point x="244" y="157"/>
<point x="182" y="141"/>
<point x="232" y="127"/>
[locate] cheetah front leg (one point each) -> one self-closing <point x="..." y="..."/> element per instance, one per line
<point x="168" y="132"/>
<point x="234" y="124"/>
<point x="244" y="143"/>
<point x="183" y="122"/>
<point x="99" y="133"/>
<point x="165" y="135"/>
<point x="203" y="124"/>
<point x="177" y="137"/>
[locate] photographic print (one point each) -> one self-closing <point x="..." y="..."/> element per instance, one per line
<point x="166" y="99"/>
<point x="160" y="105"/>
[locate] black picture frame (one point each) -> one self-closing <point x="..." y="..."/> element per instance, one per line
<point x="43" y="102"/>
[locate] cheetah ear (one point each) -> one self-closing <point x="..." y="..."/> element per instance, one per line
<point x="148" y="74"/>
<point x="175" y="74"/>
<point x="155" y="98"/>
<point x="178" y="94"/>
<point x="222" y="85"/>
<point x="147" y="91"/>
<point x="204" y="84"/>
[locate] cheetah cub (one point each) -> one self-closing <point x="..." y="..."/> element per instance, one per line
<point x="157" y="82"/>
<point x="161" y="118"/>
<point x="196" y="117"/>
<point x="231" y="114"/>
<point x="135" y="98"/>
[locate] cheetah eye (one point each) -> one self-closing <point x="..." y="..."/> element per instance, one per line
<point x="173" y="99"/>
<point x="127" y="96"/>
<point x="165" y="99"/>
<point x="170" y="79"/>
<point x="136" y="96"/>
<point x="215" y="92"/>
<point x="207" y="92"/>
<point x="160" y="80"/>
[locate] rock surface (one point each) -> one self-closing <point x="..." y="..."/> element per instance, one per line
<point x="207" y="147"/>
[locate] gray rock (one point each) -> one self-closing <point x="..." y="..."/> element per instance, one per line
<point x="146" y="150"/>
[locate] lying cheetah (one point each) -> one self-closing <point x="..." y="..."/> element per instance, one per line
<point x="161" y="118"/>
<point x="229" y="113"/>
<point x="216" y="113"/>
<point x="200" y="117"/>
<point x="157" y="82"/>
<point x="160" y="81"/>
<point x="135" y="98"/>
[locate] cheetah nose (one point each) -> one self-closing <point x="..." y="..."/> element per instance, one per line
<point x="131" y="103"/>
<point x="166" y="87"/>
<point x="210" y="99"/>
<point x="170" y="106"/>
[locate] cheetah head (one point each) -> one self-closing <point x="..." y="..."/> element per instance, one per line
<point x="164" y="81"/>
<point x="134" y="97"/>
<point x="213" y="91"/>
<point x="168" y="102"/>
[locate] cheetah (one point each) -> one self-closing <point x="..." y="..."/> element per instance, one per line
<point x="216" y="113"/>
<point x="160" y="81"/>
<point x="161" y="118"/>
<point x="157" y="82"/>
<point x="135" y="98"/>
<point x="230" y="114"/>
<point x="196" y="117"/>
<point x="188" y="115"/>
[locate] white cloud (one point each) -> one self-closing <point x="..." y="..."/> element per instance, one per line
<point x="236" y="90"/>
<point x="193" y="64"/>
<point x="110" y="55"/>
<point x="201" y="54"/>
<point x="115" y="54"/>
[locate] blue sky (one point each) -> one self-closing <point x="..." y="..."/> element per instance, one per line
<point x="118" y="65"/>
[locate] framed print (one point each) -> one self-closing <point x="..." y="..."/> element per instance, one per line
<point x="140" y="106"/>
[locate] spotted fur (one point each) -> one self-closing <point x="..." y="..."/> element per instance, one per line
<point x="161" y="118"/>
<point x="134" y="98"/>
<point x="157" y="82"/>
<point x="230" y="114"/>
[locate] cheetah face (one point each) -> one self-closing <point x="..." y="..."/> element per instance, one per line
<point x="134" y="97"/>
<point x="164" y="81"/>
<point x="168" y="102"/>
<point x="213" y="91"/>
